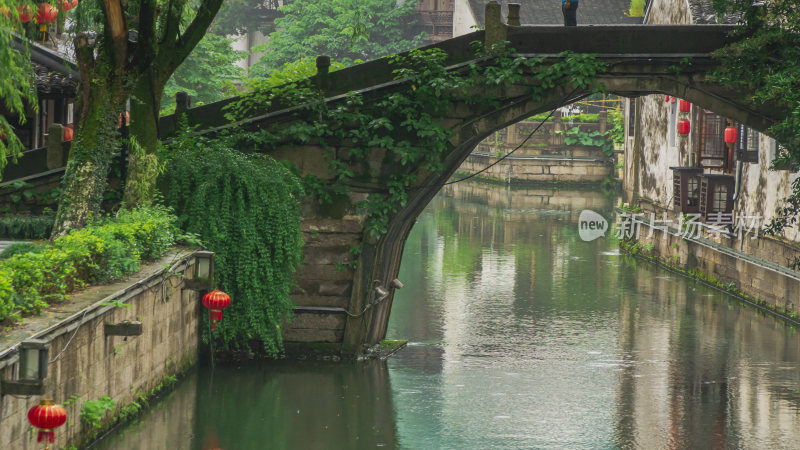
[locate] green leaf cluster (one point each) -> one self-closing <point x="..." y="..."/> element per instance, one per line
<point x="617" y="132"/>
<point x="17" y="87"/>
<point x="245" y="208"/>
<point x="17" y="248"/>
<point x="603" y="141"/>
<point x="93" y="411"/>
<point x="110" y="248"/>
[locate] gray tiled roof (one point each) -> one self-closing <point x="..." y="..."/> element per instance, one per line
<point x="548" y="12"/>
<point x="51" y="82"/>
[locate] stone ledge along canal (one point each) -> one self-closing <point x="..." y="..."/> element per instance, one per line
<point x="521" y="335"/>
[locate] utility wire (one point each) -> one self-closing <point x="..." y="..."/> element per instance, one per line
<point x="530" y="135"/>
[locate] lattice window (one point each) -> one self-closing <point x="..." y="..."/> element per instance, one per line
<point x="716" y="194"/>
<point x="711" y="140"/>
<point x="686" y="189"/>
<point x="720" y="202"/>
<point x="747" y="145"/>
<point x="693" y="191"/>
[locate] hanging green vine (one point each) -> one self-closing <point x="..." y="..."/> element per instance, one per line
<point x="405" y="124"/>
<point x="245" y="209"/>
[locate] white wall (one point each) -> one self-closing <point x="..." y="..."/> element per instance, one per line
<point x="463" y="18"/>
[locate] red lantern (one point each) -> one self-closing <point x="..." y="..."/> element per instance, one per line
<point x="66" y="5"/>
<point x="127" y="119"/>
<point x="683" y="127"/>
<point x="730" y="135"/>
<point x="684" y="106"/>
<point x="47" y="14"/>
<point x="216" y="301"/>
<point x="24" y="13"/>
<point x="666" y="99"/>
<point x="673" y="99"/>
<point x="47" y="416"/>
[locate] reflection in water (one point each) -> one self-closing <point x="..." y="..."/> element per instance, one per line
<point x="522" y="336"/>
<point x="525" y="336"/>
<point x="278" y="405"/>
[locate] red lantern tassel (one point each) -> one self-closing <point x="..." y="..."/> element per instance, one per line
<point x="49" y="435"/>
<point x="215" y="315"/>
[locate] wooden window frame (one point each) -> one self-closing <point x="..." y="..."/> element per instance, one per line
<point x="685" y="197"/>
<point x="711" y="150"/>
<point x="711" y="185"/>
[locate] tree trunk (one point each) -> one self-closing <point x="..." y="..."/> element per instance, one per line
<point x="89" y="160"/>
<point x="143" y="157"/>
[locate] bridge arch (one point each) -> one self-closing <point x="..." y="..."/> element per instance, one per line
<point x="642" y="60"/>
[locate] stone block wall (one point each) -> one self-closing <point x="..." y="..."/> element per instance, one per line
<point x="586" y="170"/>
<point x="776" y="286"/>
<point x="89" y="365"/>
<point x="324" y="280"/>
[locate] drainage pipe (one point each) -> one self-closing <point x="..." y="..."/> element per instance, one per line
<point x="738" y="186"/>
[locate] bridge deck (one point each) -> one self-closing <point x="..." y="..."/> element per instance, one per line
<point x="634" y="42"/>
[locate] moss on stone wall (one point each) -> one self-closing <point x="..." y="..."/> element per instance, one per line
<point x="141" y="402"/>
<point x="648" y="253"/>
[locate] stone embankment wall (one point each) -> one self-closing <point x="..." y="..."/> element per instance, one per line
<point x="87" y="365"/>
<point x="538" y="169"/>
<point x="542" y="155"/>
<point x="765" y="283"/>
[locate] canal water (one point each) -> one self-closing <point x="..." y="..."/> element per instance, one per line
<point x="521" y="335"/>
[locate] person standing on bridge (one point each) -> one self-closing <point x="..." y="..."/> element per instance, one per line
<point x="570" y="10"/>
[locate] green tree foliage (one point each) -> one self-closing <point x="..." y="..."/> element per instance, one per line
<point x="208" y="74"/>
<point x="16" y="79"/>
<point x="290" y="72"/>
<point x="345" y="30"/>
<point x="766" y="63"/>
<point x="247" y="16"/>
<point x="245" y="208"/>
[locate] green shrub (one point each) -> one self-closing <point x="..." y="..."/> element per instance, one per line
<point x="576" y="118"/>
<point x="107" y="249"/>
<point x="585" y="118"/>
<point x="26" y="227"/>
<point x="637" y="8"/>
<point x="540" y="117"/>
<point x="18" y="248"/>
<point x="93" y="411"/>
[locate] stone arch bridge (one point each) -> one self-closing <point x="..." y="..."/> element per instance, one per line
<point x="330" y="303"/>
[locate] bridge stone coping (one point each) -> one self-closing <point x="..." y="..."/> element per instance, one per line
<point x="496" y="31"/>
<point x="626" y="42"/>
